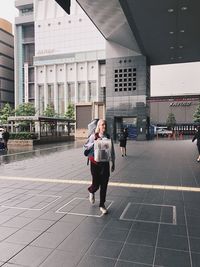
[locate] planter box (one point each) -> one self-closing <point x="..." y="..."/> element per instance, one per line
<point x="43" y="140"/>
<point x="20" y="143"/>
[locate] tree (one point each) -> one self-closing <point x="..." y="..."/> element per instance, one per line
<point x="49" y="111"/>
<point x="25" y="109"/>
<point x="196" y="115"/>
<point x="70" y="113"/>
<point x="171" y="121"/>
<point x="5" y="112"/>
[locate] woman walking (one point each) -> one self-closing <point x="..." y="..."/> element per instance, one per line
<point x="99" y="157"/>
<point x="122" y="141"/>
<point x="197" y="136"/>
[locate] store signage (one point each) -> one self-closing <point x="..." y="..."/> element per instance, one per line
<point x="45" y="51"/>
<point x="180" y="104"/>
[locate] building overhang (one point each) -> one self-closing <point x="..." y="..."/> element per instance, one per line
<point x="165" y="32"/>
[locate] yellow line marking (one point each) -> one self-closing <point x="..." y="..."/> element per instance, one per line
<point x="115" y="184"/>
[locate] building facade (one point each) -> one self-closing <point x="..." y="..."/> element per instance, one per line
<point x="63" y="59"/>
<point x="24" y="52"/>
<point x="182" y="106"/>
<point x="6" y="63"/>
<point x="127" y="88"/>
<point x="60" y="60"/>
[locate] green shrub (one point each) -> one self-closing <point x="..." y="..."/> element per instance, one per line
<point x="23" y="136"/>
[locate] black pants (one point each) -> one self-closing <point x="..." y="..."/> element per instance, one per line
<point x="198" y="146"/>
<point x="100" y="176"/>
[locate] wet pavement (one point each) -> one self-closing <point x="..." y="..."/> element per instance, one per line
<point x="153" y="201"/>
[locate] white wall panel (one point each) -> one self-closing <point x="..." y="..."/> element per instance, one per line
<point x="71" y="74"/>
<point x="50" y="74"/>
<point x="81" y="72"/>
<point x="60" y="73"/>
<point x="92" y="71"/>
<point x="40" y="75"/>
<point x="40" y="10"/>
<point x="50" y="9"/>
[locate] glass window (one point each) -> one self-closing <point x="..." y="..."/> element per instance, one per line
<point x="41" y="98"/>
<point x="51" y="94"/>
<point x="61" y="102"/>
<point x="81" y="92"/>
<point x="71" y="92"/>
<point x="31" y="92"/>
<point x="31" y="75"/>
<point x="29" y="51"/>
<point x="92" y="92"/>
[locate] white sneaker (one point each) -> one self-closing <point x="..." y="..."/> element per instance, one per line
<point x="103" y="210"/>
<point x="91" y="198"/>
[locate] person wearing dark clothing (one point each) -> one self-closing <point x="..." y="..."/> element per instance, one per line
<point x="100" y="170"/>
<point x="5" y="136"/>
<point x="197" y="137"/>
<point x="123" y="140"/>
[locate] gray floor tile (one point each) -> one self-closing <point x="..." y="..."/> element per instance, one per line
<point x="176" y="230"/>
<point x="5" y="218"/>
<point x="38" y="225"/>
<point x="194" y="231"/>
<point x="49" y="240"/>
<point x="142" y="238"/>
<point x="195" y="244"/>
<point x="195" y="259"/>
<point x="150" y="213"/>
<point x="130" y="264"/>
<point x="17" y="222"/>
<point x="93" y="261"/>
<point x="8" y="250"/>
<point x="31" y="256"/>
<point x="116" y="223"/>
<point x="64" y="228"/>
<point x="172" y="258"/>
<point x="22" y="237"/>
<point x="167" y="240"/>
<point x="62" y="259"/>
<point x="76" y="242"/>
<point x="137" y="254"/>
<point x="5" y="232"/>
<point x="12" y="265"/>
<point x="145" y="227"/>
<point x="114" y="234"/>
<point x="104" y="248"/>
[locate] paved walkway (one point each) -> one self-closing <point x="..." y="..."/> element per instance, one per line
<point x="153" y="200"/>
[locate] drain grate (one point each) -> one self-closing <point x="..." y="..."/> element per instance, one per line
<point x="82" y="207"/>
<point x="149" y="213"/>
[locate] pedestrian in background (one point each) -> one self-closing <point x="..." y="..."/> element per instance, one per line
<point x="122" y="141"/>
<point x="100" y="170"/>
<point x="5" y="136"/>
<point x="197" y="136"/>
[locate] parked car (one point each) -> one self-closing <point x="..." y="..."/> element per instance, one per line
<point x="164" y="132"/>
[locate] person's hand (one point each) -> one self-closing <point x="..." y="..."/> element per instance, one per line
<point x="113" y="167"/>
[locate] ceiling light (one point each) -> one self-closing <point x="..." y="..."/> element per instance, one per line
<point x="180" y="46"/>
<point x="171" y="32"/>
<point x="182" y="31"/>
<point x="183" y="8"/>
<point x="171" y="58"/>
<point x="180" y="57"/>
<point x="170" y="10"/>
<point x="171" y="47"/>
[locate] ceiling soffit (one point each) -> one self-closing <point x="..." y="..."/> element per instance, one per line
<point x="167" y="31"/>
<point x="109" y="18"/>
